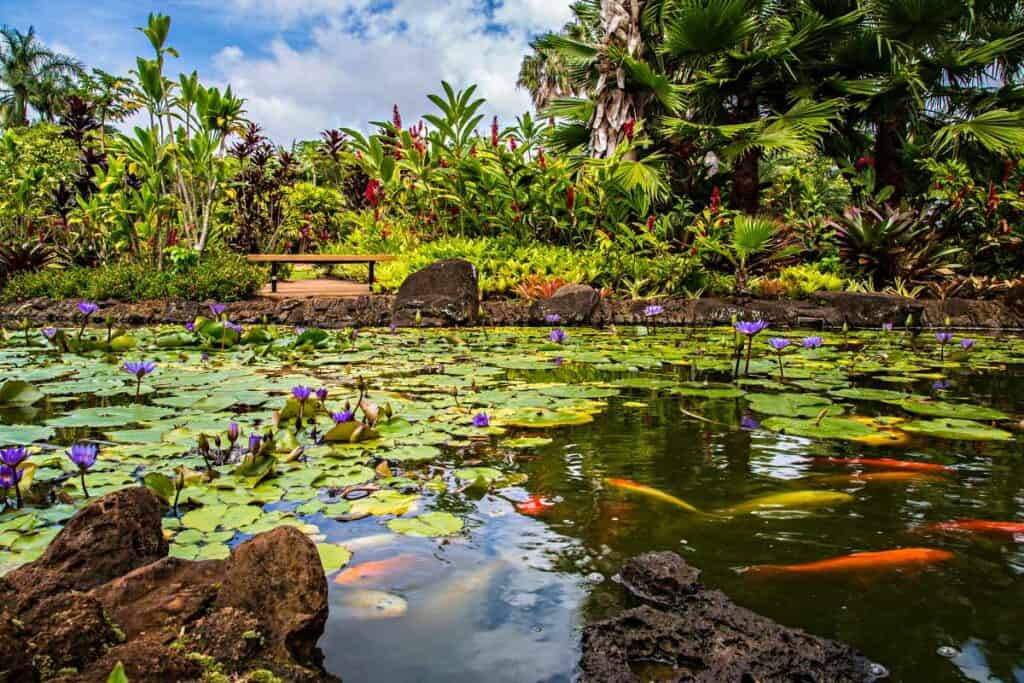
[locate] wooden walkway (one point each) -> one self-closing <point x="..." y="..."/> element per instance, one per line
<point x="307" y="289"/>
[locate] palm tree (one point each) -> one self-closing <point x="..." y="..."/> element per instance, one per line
<point x="30" y="75"/>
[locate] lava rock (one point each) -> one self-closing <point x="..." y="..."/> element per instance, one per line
<point x="703" y="636"/>
<point x="443" y="293"/>
<point x="571" y="303"/>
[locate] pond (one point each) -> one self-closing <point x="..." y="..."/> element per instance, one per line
<point x="478" y="517"/>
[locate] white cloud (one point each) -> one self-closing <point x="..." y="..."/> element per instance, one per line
<point x="359" y="57"/>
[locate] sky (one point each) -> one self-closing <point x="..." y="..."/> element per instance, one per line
<point x="307" y="65"/>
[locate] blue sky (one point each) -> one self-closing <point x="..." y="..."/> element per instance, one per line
<point x="307" y="65"/>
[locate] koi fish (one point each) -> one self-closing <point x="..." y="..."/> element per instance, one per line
<point x="869" y="477"/>
<point x="363" y="604"/>
<point x="367" y="542"/>
<point x="368" y="571"/>
<point x="634" y="487"/>
<point x="979" y="526"/>
<point x="791" y="499"/>
<point x="462" y="590"/>
<point x="533" y="506"/>
<point x="859" y="562"/>
<point x="890" y="464"/>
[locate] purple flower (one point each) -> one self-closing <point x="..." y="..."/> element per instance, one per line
<point x="87" y="308"/>
<point x="301" y="393"/>
<point x="83" y="455"/>
<point x="9" y="476"/>
<point x="204" y="357"/>
<point x="558" y="335"/>
<point x="49" y="332"/>
<point x="233" y="326"/>
<point x="558" y="360"/>
<point x="552" y="318"/>
<point x="139" y="368"/>
<point x="967" y="343"/>
<point x="190" y="326"/>
<point x="343" y="416"/>
<point x="233" y="432"/>
<point x="254" y="442"/>
<point x="779" y="343"/>
<point x="482" y="419"/>
<point x="941" y="385"/>
<point x="13" y="456"/>
<point x="944" y="337"/>
<point x="811" y="342"/>
<point x="393" y="327"/>
<point x="217" y="309"/>
<point x="751" y="328"/>
<point x="886" y="327"/>
<point x="654" y="310"/>
<point x="299" y="331"/>
<point x="321" y="394"/>
<point x="749" y="424"/>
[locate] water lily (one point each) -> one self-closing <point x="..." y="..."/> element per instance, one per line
<point x="13" y="456"/>
<point x="343" y="416"/>
<point x="552" y="318"/>
<point x="886" y="327"/>
<point x="217" y="309"/>
<point x="941" y="385"/>
<point x="779" y="343"/>
<point x="749" y="424"/>
<point x="943" y="338"/>
<point x="190" y="327"/>
<point x="87" y="308"/>
<point x="299" y="331"/>
<point x="254" y="443"/>
<point x="966" y="344"/>
<point x="750" y="329"/>
<point x="811" y="342"/>
<point x="558" y="335"/>
<point x="139" y="369"/>
<point x="654" y="310"/>
<point x="233" y="432"/>
<point x="83" y="455"/>
<point x="482" y="419"/>
<point x="233" y="326"/>
<point x="301" y="393"/>
<point x="393" y="328"/>
<point x="321" y="394"/>
<point x="558" y="360"/>
<point x="10" y="477"/>
<point x="50" y="332"/>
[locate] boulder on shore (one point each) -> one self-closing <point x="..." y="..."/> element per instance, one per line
<point x="697" y="634"/>
<point x="571" y="303"/>
<point x="105" y="592"/>
<point x="443" y="293"/>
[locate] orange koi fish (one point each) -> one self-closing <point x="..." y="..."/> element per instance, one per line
<point x="891" y="464"/>
<point x="368" y="571"/>
<point x="978" y="526"/>
<point x="634" y="487"/>
<point x="533" y="506"/>
<point x="859" y="562"/>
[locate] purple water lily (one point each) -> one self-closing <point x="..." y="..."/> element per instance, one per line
<point x="321" y="394"/>
<point x="299" y="331"/>
<point x="87" y="308"/>
<point x="654" y="310"/>
<point x="751" y="328"/>
<point x="9" y="479"/>
<point x="233" y="432"/>
<point x="138" y="368"/>
<point x="254" y="443"/>
<point x="552" y="318"/>
<point x="482" y="419"/>
<point x="394" y="328"/>
<point x="13" y="456"/>
<point x="558" y="335"/>
<point x="886" y="327"/>
<point x="343" y="416"/>
<point x="941" y="385"/>
<point x="967" y="344"/>
<point x="301" y="393"/>
<point x="779" y="343"/>
<point x="50" y="332"/>
<point x="203" y="357"/>
<point x="83" y="455"/>
<point x="190" y="327"/>
<point x="233" y="326"/>
<point x="749" y="424"/>
<point x="217" y="309"/>
<point x="812" y="342"/>
<point x="558" y="360"/>
<point x="943" y="337"/>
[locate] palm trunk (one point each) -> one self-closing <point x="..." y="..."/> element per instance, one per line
<point x="613" y="105"/>
<point x="746" y="183"/>
<point x="889" y="169"/>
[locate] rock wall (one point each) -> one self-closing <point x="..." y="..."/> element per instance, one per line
<point x="824" y="310"/>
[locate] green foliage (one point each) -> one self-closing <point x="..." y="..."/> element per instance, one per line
<point x="223" y="278"/>
<point x="798" y="282"/>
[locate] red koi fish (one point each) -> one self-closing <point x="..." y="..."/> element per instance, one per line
<point x="369" y="571"/>
<point x="977" y="526"/>
<point x="891" y="464"/>
<point x="533" y="506"/>
<point x="901" y="558"/>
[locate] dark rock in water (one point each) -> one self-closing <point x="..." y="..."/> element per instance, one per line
<point x="571" y="303"/>
<point x="443" y="293"/>
<point x="872" y="310"/>
<point x="700" y="635"/>
<point x="105" y="591"/>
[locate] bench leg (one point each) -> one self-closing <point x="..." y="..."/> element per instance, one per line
<point x="371" y="273"/>
<point x="273" y="277"/>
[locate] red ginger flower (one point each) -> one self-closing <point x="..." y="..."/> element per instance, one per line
<point x="396" y="118"/>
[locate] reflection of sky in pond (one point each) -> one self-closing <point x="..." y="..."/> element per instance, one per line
<point x="973" y="664"/>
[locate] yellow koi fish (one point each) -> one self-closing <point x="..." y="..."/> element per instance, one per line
<point x="792" y="499"/>
<point x="633" y="487"/>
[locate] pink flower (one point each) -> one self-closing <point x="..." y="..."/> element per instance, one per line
<point x="494" y="133"/>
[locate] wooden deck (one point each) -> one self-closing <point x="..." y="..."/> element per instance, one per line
<point x="307" y="289"/>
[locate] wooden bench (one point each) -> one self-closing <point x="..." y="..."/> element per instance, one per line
<point x="319" y="259"/>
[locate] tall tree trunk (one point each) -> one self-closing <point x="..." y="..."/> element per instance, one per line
<point x="613" y="105"/>
<point x="746" y="177"/>
<point x="888" y="158"/>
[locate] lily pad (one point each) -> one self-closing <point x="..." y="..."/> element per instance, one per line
<point x="956" y="429"/>
<point x="429" y="524"/>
